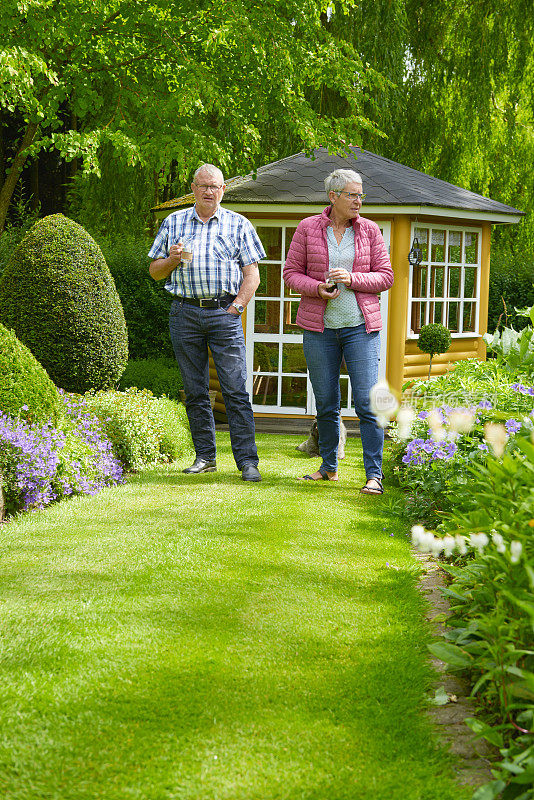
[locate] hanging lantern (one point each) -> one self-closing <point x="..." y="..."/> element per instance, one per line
<point x="415" y="256"/>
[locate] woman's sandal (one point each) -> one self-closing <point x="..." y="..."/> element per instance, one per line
<point x="324" y="477"/>
<point x="372" y="489"/>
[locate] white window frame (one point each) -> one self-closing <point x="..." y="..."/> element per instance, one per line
<point x="447" y="299"/>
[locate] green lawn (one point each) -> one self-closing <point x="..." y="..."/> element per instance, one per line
<point x="205" y="638"/>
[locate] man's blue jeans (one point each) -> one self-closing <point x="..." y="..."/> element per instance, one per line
<point x="192" y="331"/>
<point x="324" y="353"/>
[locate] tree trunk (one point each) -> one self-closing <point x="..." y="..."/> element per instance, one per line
<point x="34" y="184"/>
<point x="13" y="174"/>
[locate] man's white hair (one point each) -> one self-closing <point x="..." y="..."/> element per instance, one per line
<point x="211" y="169"/>
<point x="338" y="179"/>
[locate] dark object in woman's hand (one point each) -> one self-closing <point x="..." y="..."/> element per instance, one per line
<point x="331" y="287"/>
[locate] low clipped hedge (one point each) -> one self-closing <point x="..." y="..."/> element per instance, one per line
<point x="161" y="376"/>
<point x="143" y="429"/>
<point x="25" y="387"/>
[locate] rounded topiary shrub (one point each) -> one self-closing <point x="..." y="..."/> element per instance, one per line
<point x="57" y="294"/>
<point x="434" y="339"/>
<point x="24" y="385"/>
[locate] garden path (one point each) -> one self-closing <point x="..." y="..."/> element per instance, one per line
<point x="200" y="638"/>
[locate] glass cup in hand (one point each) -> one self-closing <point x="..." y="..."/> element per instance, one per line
<point x="331" y="285"/>
<point x="187" y="250"/>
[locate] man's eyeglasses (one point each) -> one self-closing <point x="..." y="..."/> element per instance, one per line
<point x="354" y="195"/>
<point x="212" y="187"/>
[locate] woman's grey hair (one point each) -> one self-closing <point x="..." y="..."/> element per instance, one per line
<point x="211" y="169"/>
<point x="338" y="179"/>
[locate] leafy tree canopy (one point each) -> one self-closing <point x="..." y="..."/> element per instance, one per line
<point x="155" y="82"/>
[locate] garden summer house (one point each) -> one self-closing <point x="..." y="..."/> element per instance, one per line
<point x="450" y="285"/>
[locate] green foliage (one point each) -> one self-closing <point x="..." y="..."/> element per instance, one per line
<point x="161" y="375"/>
<point x="514" y="349"/>
<point x="58" y="295"/>
<point x="511" y="286"/>
<point x="434" y="338"/>
<point x="145" y="302"/>
<point x="143" y="429"/>
<point x="155" y="89"/>
<point x="492" y="608"/>
<point x="25" y="387"/>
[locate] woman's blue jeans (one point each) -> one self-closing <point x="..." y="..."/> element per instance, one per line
<point x="324" y="353"/>
<point x="194" y="330"/>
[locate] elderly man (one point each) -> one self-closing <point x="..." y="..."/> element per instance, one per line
<point x="210" y="293"/>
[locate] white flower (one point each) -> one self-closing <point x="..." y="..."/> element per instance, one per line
<point x="461" y="420"/>
<point x="460" y="544"/>
<point x="496" y="436"/>
<point x="405" y="417"/>
<point x="516" y="548"/>
<point x="417" y="533"/>
<point x="478" y="541"/>
<point x="435" y="423"/>
<point x="449" y="544"/>
<point x="437" y="546"/>
<point x="498" y="541"/>
<point x="383" y="402"/>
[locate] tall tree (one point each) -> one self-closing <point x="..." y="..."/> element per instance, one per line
<point x="150" y="82"/>
<point x="459" y="103"/>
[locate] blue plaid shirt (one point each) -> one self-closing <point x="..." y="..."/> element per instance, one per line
<point x="221" y="247"/>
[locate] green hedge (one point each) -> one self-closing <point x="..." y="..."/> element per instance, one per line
<point x="145" y="302"/>
<point x="160" y="375"/>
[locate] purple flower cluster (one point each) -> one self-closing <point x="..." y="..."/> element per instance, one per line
<point x="512" y="426"/>
<point x="41" y="463"/>
<point x="521" y="389"/>
<point x="421" y="451"/>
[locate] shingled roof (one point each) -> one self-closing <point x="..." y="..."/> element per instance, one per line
<point x="300" y="179"/>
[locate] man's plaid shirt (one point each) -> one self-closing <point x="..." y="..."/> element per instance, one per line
<point x="221" y="247"/>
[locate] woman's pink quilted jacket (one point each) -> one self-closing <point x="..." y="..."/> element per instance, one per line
<point x="307" y="262"/>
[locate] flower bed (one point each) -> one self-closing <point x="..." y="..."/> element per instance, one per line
<point x="464" y="452"/>
<point x="41" y="463"/>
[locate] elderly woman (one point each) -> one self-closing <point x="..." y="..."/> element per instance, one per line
<point x="338" y="263"/>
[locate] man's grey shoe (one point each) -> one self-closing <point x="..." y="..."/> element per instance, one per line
<point x="201" y="465"/>
<point x="250" y="473"/>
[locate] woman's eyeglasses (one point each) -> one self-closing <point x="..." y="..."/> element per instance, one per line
<point x="354" y="195"/>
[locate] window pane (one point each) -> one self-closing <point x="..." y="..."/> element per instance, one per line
<point x="289" y="236"/>
<point x="270" y="280"/>
<point x="438" y="245"/>
<point x="471" y="248"/>
<point x="265" y="390"/>
<point x="454" y="281"/>
<point x="293" y="358"/>
<point x="419" y="281"/>
<point x="267" y="316"/>
<point x="452" y="324"/>
<point x="418" y="316"/>
<point x="422" y="235"/>
<point x="294" y="392"/>
<point x="470" y="282"/>
<point x="265" y="357"/>
<point x="435" y="312"/>
<point x="469" y="316"/>
<point x="455" y="247"/>
<point x="271" y="238"/>
<point x="290" y="318"/>
<point x="346" y="394"/>
<point x="436" y="281"/>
